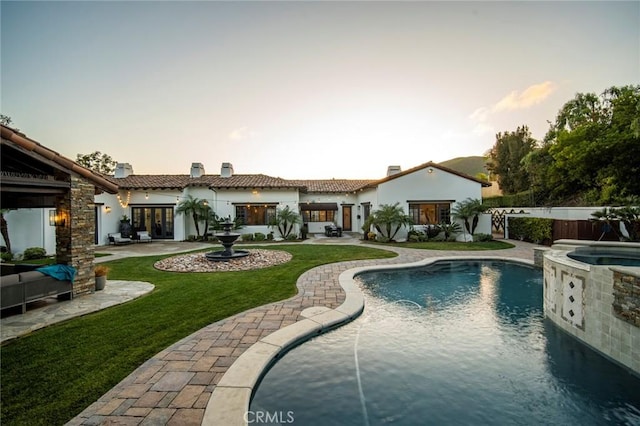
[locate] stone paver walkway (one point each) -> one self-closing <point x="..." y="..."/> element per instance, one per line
<point x="174" y="387"/>
<point x="50" y="311"/>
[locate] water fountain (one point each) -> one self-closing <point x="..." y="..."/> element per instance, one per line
<point x="227" y="238"/>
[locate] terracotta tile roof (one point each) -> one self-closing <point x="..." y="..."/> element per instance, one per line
<point x="99" y="181"/>
<point x="263" y="181"/>
<point x="335" y="185"/>
<point x="215" y="181"/>
<point x="424" y="166"/>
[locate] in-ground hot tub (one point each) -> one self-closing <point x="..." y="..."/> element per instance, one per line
<point x="592" y="291"/>
<point x="607" y="255"/>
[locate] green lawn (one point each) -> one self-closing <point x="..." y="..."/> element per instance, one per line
<point x="51" y="375"/>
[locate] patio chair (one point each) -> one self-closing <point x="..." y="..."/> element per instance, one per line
<point x="117" y="239"/>
<point x="143" y="237"/>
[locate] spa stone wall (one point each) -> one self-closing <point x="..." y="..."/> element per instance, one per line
<point x="580" y="298"/>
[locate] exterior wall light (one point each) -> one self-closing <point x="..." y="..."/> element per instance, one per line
<point x="107" y="209"/>
<point x="56" y="218"/>
<point x="430" y="170"/>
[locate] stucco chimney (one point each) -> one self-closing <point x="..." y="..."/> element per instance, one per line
<point x="123" y="170"/>
<point x="393" y="170"/>
<point x="226" y="170"/>
<point x="197" y="170"/>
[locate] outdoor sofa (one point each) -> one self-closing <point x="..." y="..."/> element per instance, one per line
<point x="20" y="288"/>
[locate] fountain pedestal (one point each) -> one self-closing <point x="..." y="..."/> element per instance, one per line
<point x="227" y="238"/>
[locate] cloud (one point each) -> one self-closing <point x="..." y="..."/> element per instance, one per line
<point x="532" y="95"/>
<point x="241" y="133"/>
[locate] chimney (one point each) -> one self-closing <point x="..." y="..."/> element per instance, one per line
<point x="123" y="170"/>
<point x="226" y="170"/>
<point x="393" y="170"/>
<point x="197" y="170"/>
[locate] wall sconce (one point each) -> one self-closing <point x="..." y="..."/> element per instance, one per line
<point x="56" y="219"/>
<point x="107" y="209"/>
<point x="430" y="170"/>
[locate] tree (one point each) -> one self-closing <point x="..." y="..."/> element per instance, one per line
<point x="5" y="120"/>
<point x="4" y="229"/>
<point x="210" y="218"/>
<point x="98" y="162"/>
<point x="505" y="159"/>
<point x="469" y="209"/>
<point x="285" y="220"/>
<point x="389" y="219"/>
<point x="592" y="150"/>
<point x="191" y="206"/>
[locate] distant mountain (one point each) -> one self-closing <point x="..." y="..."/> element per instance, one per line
<point x="467" y="165"/>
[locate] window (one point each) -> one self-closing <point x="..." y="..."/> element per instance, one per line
<point x="318" y="215"/>
<point x="253" y="214"/>
<point x="157" y="220"/>
<point x="366" y="210"/>
<point x="430" y="213"/>
<point x="318" y="212"/>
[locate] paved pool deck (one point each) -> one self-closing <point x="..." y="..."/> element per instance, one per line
<point x="175" y="386"/>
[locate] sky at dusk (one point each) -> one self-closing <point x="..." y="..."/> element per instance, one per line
<point x="302" y="90"/>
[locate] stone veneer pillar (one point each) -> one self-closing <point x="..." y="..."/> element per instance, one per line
<point x="75" y="240"/>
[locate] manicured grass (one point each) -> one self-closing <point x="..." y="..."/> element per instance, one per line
<point x="52" y="375"/>
<point x="454" y="245"/>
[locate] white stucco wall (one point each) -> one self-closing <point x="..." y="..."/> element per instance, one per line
<point x="435" y="186"/>
<point x="30" y="228"/>
<point x="341" y="200"/>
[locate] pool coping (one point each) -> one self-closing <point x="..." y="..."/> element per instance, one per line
<point x="229" y="402"/>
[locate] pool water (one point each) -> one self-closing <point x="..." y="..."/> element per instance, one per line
<point x="622" y="259"/>
<point x="460" y="343"/>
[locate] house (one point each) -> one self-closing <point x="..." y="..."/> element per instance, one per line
<point x="32" y="175"/>
<point x="427" y="192"/>
<point x="50" y="203"/>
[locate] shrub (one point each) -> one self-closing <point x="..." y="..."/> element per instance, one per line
<point x="482" y="237"/>
<point x="101" y="271"/>
<point x="247" y="237"/>
<point x="6" y="256"/>
<point x="259" y="236"/>
<point x="291" y="237"/>
<point x="34" y="253"/>
<point x="270" y="236"/>
<point x="414" y="238"/>
<point x="533" y="229"/>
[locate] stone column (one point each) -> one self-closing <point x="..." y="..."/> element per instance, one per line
<point x="75" y="240"/>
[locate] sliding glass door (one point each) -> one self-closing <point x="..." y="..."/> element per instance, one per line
<point x="157" y="220"/>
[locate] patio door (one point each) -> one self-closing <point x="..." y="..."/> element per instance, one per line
<point x="346" y="218"/>
<point x="157" y="220"/>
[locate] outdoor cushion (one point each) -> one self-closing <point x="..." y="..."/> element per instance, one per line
<point x="59" y="272"/>
<point x="144" y="236"/>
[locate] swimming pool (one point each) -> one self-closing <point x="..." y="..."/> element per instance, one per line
<point x="460" y="342"/>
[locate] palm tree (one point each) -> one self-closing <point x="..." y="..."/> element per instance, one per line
<point x="388" y="217"/>
<point x="285" y="220"/>
<point x="630" y="216"/>
<point x="450" y="229"/>
<point x="209" y="217"/>
<point x="469" y="209"/>
<point x="191" y="206"/>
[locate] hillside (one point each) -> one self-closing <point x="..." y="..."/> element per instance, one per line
<point x="468" y="165"/>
